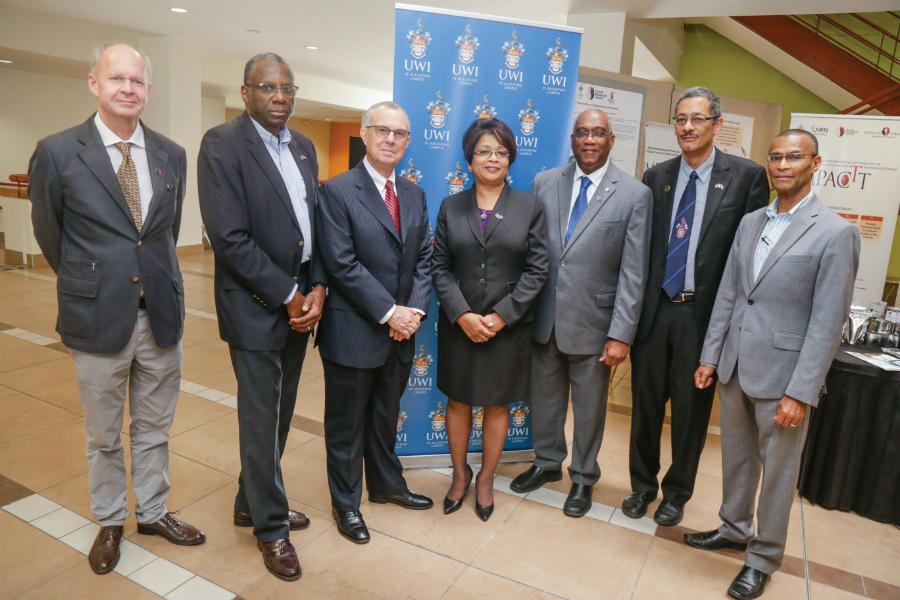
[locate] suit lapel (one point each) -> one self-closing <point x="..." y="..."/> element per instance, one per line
<point x="605" y="189"/>
<point x="719" y="179"/>
<point x="371" y="198"/>
<point x="800" y="224"/>
<point x="158" y="163"/>
<point x="264" y="159"/>
<point x="564" y="201"/>
<point x="405" y="205"/>
<point x="309" y="180"/>
<point x="499" y="212"/>
<point x="472" y="218"/>
<point x="750" y="250"/>
<point x="96" y="158"/>
<point x="670" y="180"/>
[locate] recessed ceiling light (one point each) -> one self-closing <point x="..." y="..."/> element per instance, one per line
<point x="327" y="119"/>
<point x="253" y="31"/>
<point x="178" y="10"/>
<point x="5" y="62"/>
<point x="312" y="47"/>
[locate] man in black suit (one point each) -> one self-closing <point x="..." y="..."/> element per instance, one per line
<point x="699" y="199"/>
<point x="106" y="206"/>
<point x="376" y="251"/>
<point x="258" y="182"/>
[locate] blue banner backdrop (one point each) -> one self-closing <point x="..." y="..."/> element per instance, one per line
<point x="449" y="69"/>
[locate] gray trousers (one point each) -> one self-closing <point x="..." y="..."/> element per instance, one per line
<point x="553" y="373"/>
<point x="151" y="375"/>
<point x="752" y="444"/>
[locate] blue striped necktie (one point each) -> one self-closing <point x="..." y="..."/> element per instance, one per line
<point x="580" y="206"/>
<point x="679" y="240"/>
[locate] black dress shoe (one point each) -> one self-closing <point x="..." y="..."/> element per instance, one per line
<point x="636" y="503"/>
<point x="749" y="583"/>
<point x="669" y="514"/>
<point x="533" y="478"/>
<point x="484" y="512"/>
<point x="351" y="525"/>
<point x="407" y="499"/>
<point x="711" y="540"/>
<point x="579" y="501"/>
<point x="451" y="506"/>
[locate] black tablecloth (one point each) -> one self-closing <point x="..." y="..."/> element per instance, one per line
<point x="851" y="460"/>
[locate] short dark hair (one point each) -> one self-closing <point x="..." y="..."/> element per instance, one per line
<point x="812" y="138"/>
<point x="251" y="64"/>
<point x="495" y="127"/>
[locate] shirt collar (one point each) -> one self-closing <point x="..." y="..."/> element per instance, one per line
<point x="284" y="134"/>
<point x="703" y="171"/>
<point x="772" y="209"/>
<point x="595" y="177"/>
<point x="111" y="139"/>
<point x="377" y="177"/>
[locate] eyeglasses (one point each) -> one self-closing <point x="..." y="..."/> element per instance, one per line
<point x="597" y="134"/>
<point x="382" y="132"/>
<point x="699" y="120"/>
<point x="793" y="157"/>
<point x="267" y="89"/>
<point x="500" y="154"/>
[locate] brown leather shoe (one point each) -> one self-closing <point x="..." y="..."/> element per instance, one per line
<point x="280" y="558"/>
<point x="296" y="520"/>
<point x="174" y="531"/>
<point x="104" y="554"/>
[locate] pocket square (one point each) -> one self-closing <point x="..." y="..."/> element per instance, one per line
<point x="170" y="187"/>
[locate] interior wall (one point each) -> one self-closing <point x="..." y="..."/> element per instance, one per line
<point x="339" y="153"/>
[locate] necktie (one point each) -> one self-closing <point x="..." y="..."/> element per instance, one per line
<point x="390" y="200"/>
<point x="127" y="176"/>
<point x="676" y="259"/>
<point x="580" y="206"/>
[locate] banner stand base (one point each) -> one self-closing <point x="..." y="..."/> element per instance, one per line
<point x="428" y="461"/>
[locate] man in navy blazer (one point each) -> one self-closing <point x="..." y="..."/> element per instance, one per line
<point x="258" y="182"/>
<point x="376" y="251"/>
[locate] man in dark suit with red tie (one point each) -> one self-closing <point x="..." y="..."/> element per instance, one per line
<point x="373" y="236"/>
<point x="699" y="199"/>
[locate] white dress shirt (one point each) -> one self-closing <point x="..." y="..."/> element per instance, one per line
<point x="595" y="178"/>
<point x="138" y="153"/>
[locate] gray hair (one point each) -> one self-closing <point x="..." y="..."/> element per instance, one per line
<point x="367" y="117"/>
<point x="809" y="134"/>
<point x="251" y="64"/>
<point x="715" y="103"/>
<point x="97" y="56"/>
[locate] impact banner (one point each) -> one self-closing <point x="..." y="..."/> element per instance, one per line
<point x="860" y="179"/>
<point x="451" y="68"/>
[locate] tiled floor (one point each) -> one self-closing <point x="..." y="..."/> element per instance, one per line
<point x="528" y="549"/>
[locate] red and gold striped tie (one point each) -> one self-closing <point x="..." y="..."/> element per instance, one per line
<point x="393" y="206"/>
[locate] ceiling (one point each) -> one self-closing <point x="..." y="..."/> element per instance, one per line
<point x="355" y="37"/>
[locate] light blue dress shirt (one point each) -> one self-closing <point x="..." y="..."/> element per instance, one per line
<point x="776" y="224"/>
<point x="704" y="172"/>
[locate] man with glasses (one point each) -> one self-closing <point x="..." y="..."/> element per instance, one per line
<point x="376" y="251"/>
<point x="258" y="182"/>
<point x="698" y="200"/>
<point x="587" y="314"/>
<point x="774" y="331"/>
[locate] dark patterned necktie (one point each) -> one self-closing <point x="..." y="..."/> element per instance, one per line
<point x="393" y="206"/>
<point x="680" y="239"/>
<point x="128" y="179"/>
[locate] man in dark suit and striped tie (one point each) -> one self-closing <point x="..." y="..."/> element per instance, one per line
<point x="373" y="238"/>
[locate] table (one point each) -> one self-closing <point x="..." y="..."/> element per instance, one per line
<point x="851" y="460"/>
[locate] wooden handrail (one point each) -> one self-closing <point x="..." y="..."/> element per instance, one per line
<point x="876" y="26"/>
<point x="874" y="101"/>
<point x="860" y="39"/>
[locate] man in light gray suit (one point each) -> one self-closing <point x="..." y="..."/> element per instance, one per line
<point x="587" y="314"/>
<point x="775" y="328"/>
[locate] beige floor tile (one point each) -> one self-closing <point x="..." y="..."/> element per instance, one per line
<point x="543" y="548"/>
<point x="222" y="380"/>
<point x="203" y="358"/>
<point x="80" y="583"/>
<point x="61" y="393"/>
<point x="384" y="568"/>
<point x="304" y="473"/>
<point x="191" y="412"/>
<point x="460" y="535"/>
<point x="47" y="457"/>
<point x="74" y="494"/>
<point x="60" y="368"/>
<point x="21" y="415"/>
<point x="819" y="591"/>
<point x="16" y="354"/>
<point x="19" y="571"/>
<point x="205" y="331"/>
<point x="311" y="397"/>
<point x="678" y="572"/>
<point x="475" y="584"/>
<point x="7" y="391"/>
<point x="191" y="481"/>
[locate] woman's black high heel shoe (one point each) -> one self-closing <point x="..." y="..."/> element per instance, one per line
<point x="483" y="512"/>
<point x="451" y="506"/>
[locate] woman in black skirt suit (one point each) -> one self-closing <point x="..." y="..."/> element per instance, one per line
<point x="489" y="265"/>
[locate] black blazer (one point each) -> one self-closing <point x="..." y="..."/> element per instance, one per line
<point x="501" y="270"/>
<point x="737" y="186"/>
<point x="369" y="267"/>
<point x="85" y="230"/>
<point x="254" y="232"/>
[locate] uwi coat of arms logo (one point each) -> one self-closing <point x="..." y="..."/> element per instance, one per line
<point x="458" y="179"/>
<point x="437" y="418"/>
<point x="681" y="228"/>
<point x="558" y="57"/>
<point x="437" y="111"/>
<point x="401" y="418"/>
<point x="418" y="40"/>
<point x="477" y="417"/>
<point x="486" y="110"/>
<point x="517" y="412"/>
<point x="528" y="117"/>
<point x="421" y="361"/>
<point x="466" y="46"/>
<point x="412" y="173"/>
<point x="512" y="51"/>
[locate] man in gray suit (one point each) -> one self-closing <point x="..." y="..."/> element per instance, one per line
<point x="106" y="199"/>
<point x="587" y="314"/>
<point x="774" y="330"/>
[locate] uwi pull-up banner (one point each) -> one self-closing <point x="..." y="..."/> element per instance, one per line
<point x="451" y="68"/>
<point x="859" y="178"/>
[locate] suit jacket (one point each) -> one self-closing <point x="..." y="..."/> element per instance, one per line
<point x="737" y="186"/>
<point x="254" y="232"/>
<point x="783" y="329"/>
<point x="596" y="285"/>
<point x="369" y="267"/>
<point x="87" y="233"/>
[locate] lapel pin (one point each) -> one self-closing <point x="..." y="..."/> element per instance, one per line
<point x="302" y="157"/>
<point x="159" y="172"/>
<point x="667" y="188"/>
<point x="170" y="187"/>
<point x="499" y="216"/>
<point x="606" y="190"/>
<point x="719" y="186"/>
